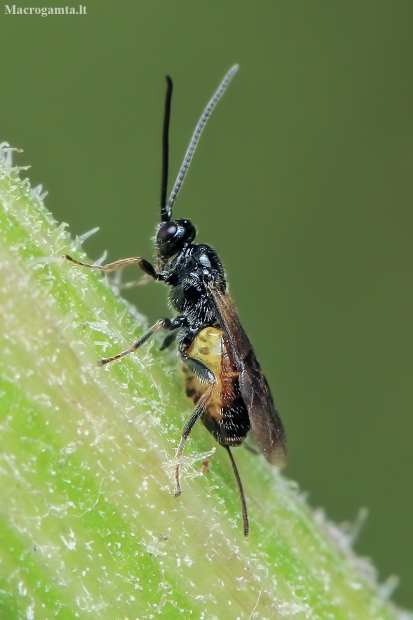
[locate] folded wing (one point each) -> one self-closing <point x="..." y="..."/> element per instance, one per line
<point x="265" y="421"/>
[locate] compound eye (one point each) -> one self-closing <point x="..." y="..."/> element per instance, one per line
<point x="167" y="232"/>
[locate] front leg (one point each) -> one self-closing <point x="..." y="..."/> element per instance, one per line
<point x="142" y="263"/>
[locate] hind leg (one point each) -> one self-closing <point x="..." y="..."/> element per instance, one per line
<point x="203" y="373"/>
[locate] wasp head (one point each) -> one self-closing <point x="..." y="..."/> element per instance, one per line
<point x="171" y="237"/>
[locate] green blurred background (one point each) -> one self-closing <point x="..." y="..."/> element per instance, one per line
<point x="303" y="182"/>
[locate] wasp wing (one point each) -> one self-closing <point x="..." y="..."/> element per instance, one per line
<point x="265" y="421"/>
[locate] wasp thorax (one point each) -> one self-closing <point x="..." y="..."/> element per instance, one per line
<point x="173" y="236"/>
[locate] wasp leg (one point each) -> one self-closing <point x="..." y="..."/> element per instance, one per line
<point x="185" y="434"/>
<point x="162" y="323"/>
<point x="142" y="263"/>
<point x="170" y="338"/>
<point x="204" y="373"/>
<point x="240" y="491"/>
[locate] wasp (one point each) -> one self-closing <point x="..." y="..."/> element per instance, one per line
<point x="222" y="376"/>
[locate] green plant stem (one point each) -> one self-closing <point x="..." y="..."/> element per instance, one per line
<point x="89" y="527"/>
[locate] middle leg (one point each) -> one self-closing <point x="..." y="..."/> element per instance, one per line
<point x="161" y="324"/>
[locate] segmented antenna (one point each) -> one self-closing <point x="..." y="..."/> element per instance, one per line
<point x="195" y="139"/>
<point x="166" y="213"/>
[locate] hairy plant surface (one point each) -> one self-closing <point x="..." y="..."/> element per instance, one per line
<point x="89" y="527"/>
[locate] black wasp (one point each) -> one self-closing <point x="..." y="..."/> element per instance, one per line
<point x="222" y="376"/>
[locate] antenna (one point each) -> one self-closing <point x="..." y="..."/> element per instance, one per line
<point x="165" y="213"/>
<point x="195" y="139"/>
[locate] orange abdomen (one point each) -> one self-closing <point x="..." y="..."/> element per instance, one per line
<point x="225" y="414"/>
